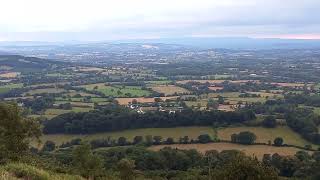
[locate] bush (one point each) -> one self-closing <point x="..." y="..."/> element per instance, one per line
<point x="278" y="141"/>
<point x="245" y="137"/>
<point x="204" y="138"/>
<point x="269" y="122"/>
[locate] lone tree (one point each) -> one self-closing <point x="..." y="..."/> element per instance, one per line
<point x="16" y="132"/>
<point x="278" y="141"/>
<point x="49" y="146"/>
<point x="204" y="138"/>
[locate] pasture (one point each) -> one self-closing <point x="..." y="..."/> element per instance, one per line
<point x="169" y="89"/>
<point x="8" y="87"/>
<point x="51" y="113"/>
<point x="45" y="90"/>
<point x="118" y="91"/>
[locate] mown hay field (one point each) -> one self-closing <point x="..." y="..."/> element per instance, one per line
<point x="265" y="134"/>
<point x="250" y="150"/>
<point x="169" y="89"/>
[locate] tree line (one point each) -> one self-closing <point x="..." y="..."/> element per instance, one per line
<point x="115" y="118"/>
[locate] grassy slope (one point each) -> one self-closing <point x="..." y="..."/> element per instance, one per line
<point x="15" y="171"/>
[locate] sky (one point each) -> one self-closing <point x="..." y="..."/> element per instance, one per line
<point x="99" y="20"/>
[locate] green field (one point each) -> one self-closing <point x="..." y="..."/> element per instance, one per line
<point x="118" y="91"/>
<point x="6" y="88"/>
<point x="50" y="113"/>
<point x="266" y="134"/>
<point x="46" y="90"/>
<point x="176" y="133"/>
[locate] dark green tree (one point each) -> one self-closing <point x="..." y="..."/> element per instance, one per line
<point x="244" y="168"/>
<point x="269" y="122"/>
<point x="86" y="163"/>
<point x="16" y="132"/>
<point x="204" y="138"/>
<point x="278" y="141"/>
<point x="49" y="146"/>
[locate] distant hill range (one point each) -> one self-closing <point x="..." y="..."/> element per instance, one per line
<point x="30" y="64"/>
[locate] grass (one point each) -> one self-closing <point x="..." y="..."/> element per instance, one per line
<point x="250" y="150"/>
<point x="6" y="88"/>
<point x="317" y="110"/>
<point x="266" y="134"/>
<point x="46" y="90"/>
<point x="119" y="91"/>
<point x="158" y="82"/>
<point x="13" y="171"/>
<point x="169" y="89"/>
<point x="51" y="113"/>
<point x="176" y="133"/>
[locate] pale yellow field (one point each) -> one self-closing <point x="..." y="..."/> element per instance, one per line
<point x="10" y="75"/>
<point x="290" y="84"/>
<point x="169" y="89"/>
<point x="250" y="150"/>
<point x="266" y="134"/>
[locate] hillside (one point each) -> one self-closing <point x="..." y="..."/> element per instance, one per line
<point x="26" y="64"/>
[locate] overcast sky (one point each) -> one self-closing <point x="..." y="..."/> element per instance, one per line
<point x="64" y="20"/>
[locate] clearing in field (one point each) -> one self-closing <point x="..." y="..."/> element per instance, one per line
<point x="250" y="150"/>
<point x="126" y="101"/>
<point x="169" y="89"/>
<point x="176" y="133"/>
<point x="266" y="134"/>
